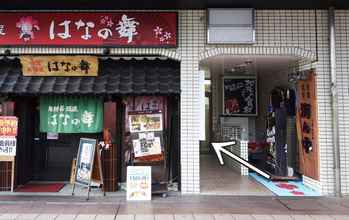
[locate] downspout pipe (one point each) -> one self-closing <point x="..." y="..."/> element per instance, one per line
<point x="334" y="101"/>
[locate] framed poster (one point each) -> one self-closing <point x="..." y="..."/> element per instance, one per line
<point x="138" y="183"/>
<point x="147" y="143"/>
<point x="144" y="122"/>
<point x="240" y="96"/>
<point x="84" y="161"/>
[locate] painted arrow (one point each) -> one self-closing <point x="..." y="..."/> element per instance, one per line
<point x="219" y="149"/>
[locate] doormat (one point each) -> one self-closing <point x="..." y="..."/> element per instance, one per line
<point x="41" y="187"/>
<point x="285" y="188"/>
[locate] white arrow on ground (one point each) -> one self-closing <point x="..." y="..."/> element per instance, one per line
<point x="219" y="148"/>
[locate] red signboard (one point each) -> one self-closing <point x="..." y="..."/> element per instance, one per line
<point x="8" y="126"/>
<point x="126" y="29"/>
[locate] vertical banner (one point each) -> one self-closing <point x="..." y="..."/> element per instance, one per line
<point x="71" y="114"/>
<point x="8" y="142"/>
<point x="8" y="133"/>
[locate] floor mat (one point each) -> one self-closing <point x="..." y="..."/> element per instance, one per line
<point x="41" y="187"/>
<point x="285" y="188"/>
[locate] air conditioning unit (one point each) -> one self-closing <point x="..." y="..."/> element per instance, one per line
<point x="230" y="26"/>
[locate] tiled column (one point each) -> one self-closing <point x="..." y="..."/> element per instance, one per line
<point x="191" y="33"/>
<point x="342" y="69"/>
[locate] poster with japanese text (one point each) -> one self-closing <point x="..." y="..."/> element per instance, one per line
<point x="8" y="126"/>
<point x="59" y="65"/>
<point x="154" y="104"/>
<point x="84" y="162"/>
<point x="130" y="29"/>
<point x="138" y="183"/>
<point x="240" y="96"/>
<point x="143" y="122"/>
<point x="146" y="144"/>
<point x="8" y="146"/>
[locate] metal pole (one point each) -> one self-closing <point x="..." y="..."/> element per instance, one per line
<point x="334" y="100"/>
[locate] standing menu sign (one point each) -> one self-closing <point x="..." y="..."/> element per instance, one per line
<point x="8" y="141"/>
<point x="88" y="164"/>
<point x="85" y="161"/>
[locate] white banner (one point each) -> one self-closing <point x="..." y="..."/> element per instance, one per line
<point x="8" y="146"/>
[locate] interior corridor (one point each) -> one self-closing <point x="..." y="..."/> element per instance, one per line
<point x="222" y="180"/>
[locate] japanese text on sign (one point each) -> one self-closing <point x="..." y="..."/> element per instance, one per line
<point x="59" y="65"/>
<point x="62" y="116"/>
<point x="8" y="146"/>
<point x="94" y="29"/>
<point x="70" y="115"/>
<point x="138" y="183"/>
<point x="8" y="126"/>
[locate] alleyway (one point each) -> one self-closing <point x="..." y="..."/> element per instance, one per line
<point x="222" y="180"/>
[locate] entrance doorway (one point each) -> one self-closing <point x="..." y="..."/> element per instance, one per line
<point x="249" y="120"/>
<point x="41" y="156"/>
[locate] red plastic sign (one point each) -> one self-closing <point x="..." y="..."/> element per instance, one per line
<point x="126" y="29"/>
<point x="8" y="126"/>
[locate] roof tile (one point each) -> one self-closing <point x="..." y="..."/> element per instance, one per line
<point x="114" y="77"/>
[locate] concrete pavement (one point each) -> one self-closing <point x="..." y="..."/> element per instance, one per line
<point x="170" y="217"/>
<point x="189" y="207"/>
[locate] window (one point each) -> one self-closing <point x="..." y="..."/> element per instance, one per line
<point x="230" y="26"/>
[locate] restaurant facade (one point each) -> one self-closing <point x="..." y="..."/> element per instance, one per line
<point x="160" y="69"/>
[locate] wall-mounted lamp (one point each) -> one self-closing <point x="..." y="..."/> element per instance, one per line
<point x="106" y="51"/>
<point x="7" y="52"/>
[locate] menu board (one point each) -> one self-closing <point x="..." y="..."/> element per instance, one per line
<point x="147" y="143"/>
<point x="240" y="96"/>
<point x="146" y="133"/>
<point x="143" y="122"/>
<point x="84" y="162"/>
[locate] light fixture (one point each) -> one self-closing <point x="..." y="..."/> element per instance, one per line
<point x="7" y="52"/>
<point x="106" y="51"/>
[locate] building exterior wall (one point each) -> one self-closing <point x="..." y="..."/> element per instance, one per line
<point x="274" y="29"/>
<point x="342" y="70"/>
<point x="278" y="32"/>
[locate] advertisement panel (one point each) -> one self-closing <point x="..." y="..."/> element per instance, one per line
<point x="125" y="29"/>
<point x="8" y="125"/>
<point x="139" y="183"/>
<point x="59" y="65"/>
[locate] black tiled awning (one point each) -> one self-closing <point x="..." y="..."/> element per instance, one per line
<point x="115" y="77"/>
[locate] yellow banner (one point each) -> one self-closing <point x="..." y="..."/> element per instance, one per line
<point x="59" y="65"/>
